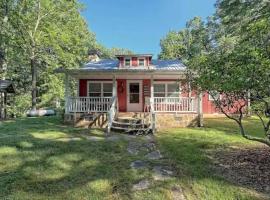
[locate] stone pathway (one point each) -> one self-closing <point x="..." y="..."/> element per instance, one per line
<point x="154" y="155"/>
<point x="133" y="147"/>
<point x="138" y="164"/>
<point x="160" y="172"/>
<point x="141" y="185"/>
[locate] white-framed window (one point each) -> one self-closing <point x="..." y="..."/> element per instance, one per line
<point x="213" y="95"/>
<point x="127" y="62"/>
<point x="99" y="89"/>
<point x="166" y="89"/>
<point x="141" y="62"/>
<point x="160" y="90"/>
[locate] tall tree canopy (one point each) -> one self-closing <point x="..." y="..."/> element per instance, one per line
<point x="229" y="55"/>
<point x="38" y="36"/>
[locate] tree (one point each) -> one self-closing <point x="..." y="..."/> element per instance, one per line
<point x="50" y="34"/>
<point x="187" y="43"/>
<point x="237" y="67"/>
<point x="228" y="56"/>
<point x="110" y="53"/>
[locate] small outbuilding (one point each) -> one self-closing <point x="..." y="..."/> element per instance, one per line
<point x="6" y="87"/>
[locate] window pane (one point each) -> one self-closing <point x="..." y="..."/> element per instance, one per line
<point x="141" y="62"/>
<point x="134" y="98"/>
<point x="173" y="88"/>
<point x="174" y="94"/>
<point x="214" y="95"/>
<point x="95" y="87"/>
<point x="107" y="87"/>
<point x="134" y="88"/>
<point x="159" y="94"/>
<point x="127" y="62"/>
<point x="93" y="94"/>
<point x="159" y="88"/>
<point x="107" y="94"/>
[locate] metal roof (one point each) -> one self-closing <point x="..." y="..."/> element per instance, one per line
<point x="156" y="65"/>
<point x="6" y="86"/>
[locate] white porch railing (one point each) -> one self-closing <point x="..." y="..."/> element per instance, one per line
<point x="89" y="104"/>
<point x="174" y="104"/>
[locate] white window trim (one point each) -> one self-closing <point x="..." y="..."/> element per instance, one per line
<point x="130" y="62"/>
<point x="210" y="98"/>
<point x="144" y="61"/>
<point x="102" y="82"/>
<point x="138" y="63"/>
<point x="166" y="86"/>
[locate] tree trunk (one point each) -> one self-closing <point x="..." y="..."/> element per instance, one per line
<point x="1" y="105"/>
<point x="200" y="111"/>
<point x="3" y="70"/>
<point x="5" y="104"/>
<point x="34" y="84"/>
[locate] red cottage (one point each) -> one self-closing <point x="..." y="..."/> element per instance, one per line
<point x="148" y="92"/>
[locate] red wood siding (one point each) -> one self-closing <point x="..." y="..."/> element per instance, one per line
<point x="83" y="87"/>
<point x="207" y="105"/>
<point x="121" y="62"/>
<point x="134" y="61"/>
<point x="122" y="94"/>
<point x="147" y="61"/>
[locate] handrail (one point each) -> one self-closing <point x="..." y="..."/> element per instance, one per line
<point x="112" y="113"/>
<point x="152" y="115"/>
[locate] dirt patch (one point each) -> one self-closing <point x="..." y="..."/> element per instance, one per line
<point x="246" y="167"/>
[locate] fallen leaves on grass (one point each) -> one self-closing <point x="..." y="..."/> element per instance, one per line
<point x="247" y="167"/>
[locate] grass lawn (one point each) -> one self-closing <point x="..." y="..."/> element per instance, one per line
<point x="191" y="149"/>
<point x="42" y="159"/>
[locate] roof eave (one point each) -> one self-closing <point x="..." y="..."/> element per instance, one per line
<point x="76" y="72"/>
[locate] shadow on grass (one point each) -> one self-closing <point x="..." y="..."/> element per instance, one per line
<point x="33" y="161"/>
<point x="191" y="152"/>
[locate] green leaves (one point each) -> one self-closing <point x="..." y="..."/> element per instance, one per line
<point x="52" y="34"/>
<point x="230" y="54"/>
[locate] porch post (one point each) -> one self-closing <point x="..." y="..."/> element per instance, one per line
<point x="152" y="93"/>
<point x="114" y="92"/>
<point x="189" y="89"/>
<point x="67" y="92"/>
<point x="200" y="111"/>
<point x="153" y="116"/>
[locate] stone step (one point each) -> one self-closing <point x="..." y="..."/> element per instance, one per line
<point x="128" y="130"/>
<point x="128" y="120"/>
<point x="129" y="125"/>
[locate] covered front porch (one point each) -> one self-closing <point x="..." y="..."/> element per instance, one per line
<point x="160" y="104"/>
<point x="146" y="93"/>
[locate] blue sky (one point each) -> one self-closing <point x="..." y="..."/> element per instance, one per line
<point x="139" y="25"/>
